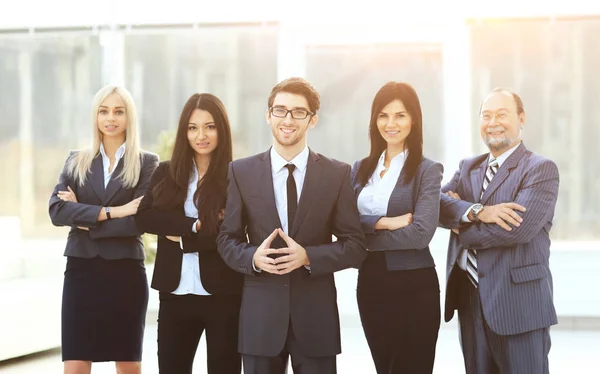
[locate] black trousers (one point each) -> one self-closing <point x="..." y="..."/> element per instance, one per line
<point x="182" y="319"/>
<point x="301" y="364"/>
<point x="400" y="314"/>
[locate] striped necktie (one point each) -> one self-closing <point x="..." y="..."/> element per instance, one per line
<point x="471" y="253"/>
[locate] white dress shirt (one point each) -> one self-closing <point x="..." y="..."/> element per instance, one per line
<point x="462" y="258"/>
<point x="106" y="162"/>
<point x="375" y="196"/>
<point x="190" y="282"/>
<point x="280" y="175"/>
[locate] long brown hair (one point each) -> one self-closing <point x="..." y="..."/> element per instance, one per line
<point x="211" y="194"/>
<point x="414" y="142"/>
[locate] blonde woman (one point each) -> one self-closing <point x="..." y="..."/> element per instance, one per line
<point x="105" y="292"/>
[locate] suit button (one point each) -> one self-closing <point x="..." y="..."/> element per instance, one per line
<point x="285" y="285"/>
<point x="481" y="275"/>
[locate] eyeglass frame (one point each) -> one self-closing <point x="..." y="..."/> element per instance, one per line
<point x="308" y="112"/>
<point x="496" y="115"/>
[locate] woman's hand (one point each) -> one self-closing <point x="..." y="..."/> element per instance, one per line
<point x="67" y="195"/>
<point x="394" y="223"/>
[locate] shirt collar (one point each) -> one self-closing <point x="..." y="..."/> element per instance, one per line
<point x="400" y="157"/>
<point x="120" y="152"/>
<point x="278" y="162"/>
<point x="195" y="176"/>
<point x="503" y="157"/>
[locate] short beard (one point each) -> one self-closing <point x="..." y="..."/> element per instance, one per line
<point x="499" y="145"/>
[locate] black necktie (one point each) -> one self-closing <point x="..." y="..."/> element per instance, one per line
<point x="292" y="196"/>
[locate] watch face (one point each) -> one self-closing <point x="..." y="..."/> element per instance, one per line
<point x="476" y="209"/>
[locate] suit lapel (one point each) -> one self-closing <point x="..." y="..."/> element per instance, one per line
<point x="503" y="172"/>
<point x="265" y="180"/>
<point x="114" y="184"/>
<point x="477" y="180"/>
<point x="96" y="177"/>
<point x="397" y="187"/>
<point x="310" y="188"/>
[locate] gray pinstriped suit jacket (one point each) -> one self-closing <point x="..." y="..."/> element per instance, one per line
<point x="515" y="283"/>
<point x="407" y="248"/>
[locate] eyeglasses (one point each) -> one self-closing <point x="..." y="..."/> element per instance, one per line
<point x="296" y="113"/>
<point x="500" y="116"/>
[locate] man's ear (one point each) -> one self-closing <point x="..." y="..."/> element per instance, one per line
<point x="522" y="120"/>
<point x="313" y="121"/>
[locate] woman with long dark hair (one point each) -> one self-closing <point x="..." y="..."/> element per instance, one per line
<point x="184" y="207"/>
<point x="398" y="194"/>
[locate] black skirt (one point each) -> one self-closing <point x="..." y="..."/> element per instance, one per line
<point x="104" y="307"/>
<point x="400" y="314"/>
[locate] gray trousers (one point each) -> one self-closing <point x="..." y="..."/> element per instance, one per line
<point x="486" y="352"/>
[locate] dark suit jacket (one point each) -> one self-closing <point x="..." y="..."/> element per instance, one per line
<point x="111" y="239"/>
<point x="305" y="299"/>
<point x="515" y="284"/>
<point x="217" y="278"/>
<point x="407" y="248"/>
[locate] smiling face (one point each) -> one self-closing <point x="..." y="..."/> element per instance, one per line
<point x="111" y="118"/>
<point x="394" y="124"/>
<point x="289" y="131"/>
<point x="500" y="124"/>
<point x="202" y="132"/>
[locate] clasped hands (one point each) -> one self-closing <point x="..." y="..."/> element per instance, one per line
<point x="290" y="258"/>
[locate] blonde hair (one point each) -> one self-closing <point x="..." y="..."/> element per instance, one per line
<point x="81" y="162"/>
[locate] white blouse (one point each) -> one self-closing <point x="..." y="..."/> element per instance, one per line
<point x="375" y="196"/>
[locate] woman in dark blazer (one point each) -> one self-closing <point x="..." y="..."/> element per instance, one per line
<point x="184" y="207"/>
<point x="105" y="292"/>
<point x="398" y="193"/>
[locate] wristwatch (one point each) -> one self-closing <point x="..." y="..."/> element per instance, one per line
<point x="475" y="210"/>
<point x="107" y="210"/>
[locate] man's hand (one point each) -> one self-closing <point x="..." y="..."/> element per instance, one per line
<point x="295" y="255"/>
<point x="261" y="257"/>
<point x="456" y="196"/>
<point x="502" y="215"/>
<point x="453" y="195"/>
<point x="173" y="238"/>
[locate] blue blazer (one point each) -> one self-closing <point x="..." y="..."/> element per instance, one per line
<point x="111" y="239"/>
<point x="515" y="284"/>
<point x="407" y="248"/>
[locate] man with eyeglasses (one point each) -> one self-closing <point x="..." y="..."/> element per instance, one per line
<point x="500" y="207"/>
<point x="283" y="207"/>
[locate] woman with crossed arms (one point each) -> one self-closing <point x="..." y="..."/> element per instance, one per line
<point x="184" y="207"/>
<point x="398" y="200"/>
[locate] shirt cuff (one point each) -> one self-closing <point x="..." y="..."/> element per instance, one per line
<point x="255" y="268"/>
<point x="181" y="242"/>
<point x="307" y="267"/>
<point x="194" y="227"/>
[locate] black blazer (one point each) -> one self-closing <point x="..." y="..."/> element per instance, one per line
<point x="306" y="300"/>
<point x="111" y="239"/>
<point x="216" y="277"/>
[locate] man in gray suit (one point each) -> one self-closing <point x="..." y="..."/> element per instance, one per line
<point x="283" y="206"/>
<point x="500" y="207"/>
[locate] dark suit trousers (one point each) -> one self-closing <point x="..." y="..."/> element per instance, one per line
<point x="301" y="364"/>
<point x="400" y="315"/>
<point x="181" y="321"/>
<point x="485" y="351"/>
